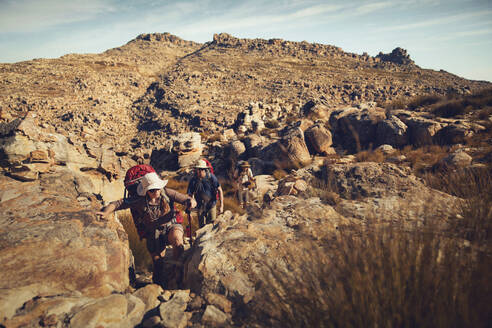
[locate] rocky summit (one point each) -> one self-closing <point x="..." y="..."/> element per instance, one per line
<point x="341" y="144"/>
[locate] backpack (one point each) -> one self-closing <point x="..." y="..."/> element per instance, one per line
<point x="210" y="167"/>
<point x="132" y="179"/>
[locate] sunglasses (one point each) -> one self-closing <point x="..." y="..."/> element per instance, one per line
<point x="153" y="190"/>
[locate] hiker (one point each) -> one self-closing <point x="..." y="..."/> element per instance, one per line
<point x="245" y="182"/>
<point x="152" y="208"/>
<point x="205" y="189"/>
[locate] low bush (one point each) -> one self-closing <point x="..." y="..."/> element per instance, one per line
<point x="279" y="174"/>
<point x="452" y="109"/>
<point x="423" y="159"/>
<point x="423" y="101"/>
<point x="370" y="156"/>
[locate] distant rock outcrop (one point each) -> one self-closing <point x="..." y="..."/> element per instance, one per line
<point x="397" y="56"/>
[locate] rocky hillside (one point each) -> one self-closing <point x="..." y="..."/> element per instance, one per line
<point x="341" y="145"/>
<point x="160" y="84"/>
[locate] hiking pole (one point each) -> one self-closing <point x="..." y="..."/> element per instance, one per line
<point x="190" y="227"/>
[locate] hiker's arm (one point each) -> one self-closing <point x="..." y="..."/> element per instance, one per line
<point x="112" y="207"/>
<point x="180" y="198"/>
<point x="221" y="199"/>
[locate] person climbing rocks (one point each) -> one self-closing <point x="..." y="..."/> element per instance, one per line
<point x="205" y="189"/>
<point x="152" y="208"/>
<point x="245" y="182"/>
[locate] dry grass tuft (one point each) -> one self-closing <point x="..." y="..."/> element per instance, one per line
<point x="377" y="277"/>
<point x="422" y="159"/>
<point x="370" y="156"/>
<point x="279" y="174"/>
<point x="422" y="101"/>
<point x="143" y="261"/>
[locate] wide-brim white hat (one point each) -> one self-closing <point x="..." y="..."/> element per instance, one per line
<point x="150" y="181"/>
<point x="201" y="164"/>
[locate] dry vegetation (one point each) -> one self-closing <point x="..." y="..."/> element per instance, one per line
<point x="447" y="106"/>
<point x="386" y="276"/>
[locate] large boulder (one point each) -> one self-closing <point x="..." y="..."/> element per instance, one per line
<point x="421" y="130"/>
<point x="189" y="148"/>
<point x="453" y="134"/>
<point x="229" y="252"/>
<point x="29" y="152"/>
<point x="290" y="152"/>
<point x="51" y="245"/>
<point x="368" y="179"/>
<point x="392" y="131"/>
<point x="354" y="128"/>
<point x="318" y="139"/>
<point x="387" y="192"/>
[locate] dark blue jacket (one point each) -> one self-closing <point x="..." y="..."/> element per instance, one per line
<point x="205" y="190"/>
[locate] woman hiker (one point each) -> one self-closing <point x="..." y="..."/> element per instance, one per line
<point x="153" y="210"/>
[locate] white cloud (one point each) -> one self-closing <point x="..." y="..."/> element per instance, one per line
<point x="372" y="7"/>
<point x="310" y="11"/>
<point x="436" y="21"/>
<point x="474" y="32"/>
<point x="35" y="15"/>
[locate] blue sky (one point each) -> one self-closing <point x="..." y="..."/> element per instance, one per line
<point x="454" y="35"/>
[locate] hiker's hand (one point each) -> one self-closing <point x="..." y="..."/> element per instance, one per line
<point x="103" y="215"/>
<point x="192" y="203"/>
<point x="221" y="209"/>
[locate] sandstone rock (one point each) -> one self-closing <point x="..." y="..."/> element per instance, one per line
<point x="229" y="134"/>
<point x="253" y="143"/>
<point x="189" y="148"/>
<point x="392" y="131"/>
<point x="290" y="151"/>
<point x="220" y="301"/>
<point x="111" y="311"/>
<point x="149" y="296"/>
<point x="318" y="138"/>
<point x="214" y="317"/>
<point x="453" y="134"/>
<point x="368" y="179"/>
<point x="52" y="246"/>
<point x="398" y="56"/>
<point x="355" y="129"/>
<point x="173" y="311"/>
<point x="227" y="269"/>
<point x="316" y="110"/>
<point x="458" y="159"/>
<point x="421" y="130"/>
<point x="386" y="149"/>
<point x="291" y="186"/>
<point x="237" y="148"/>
